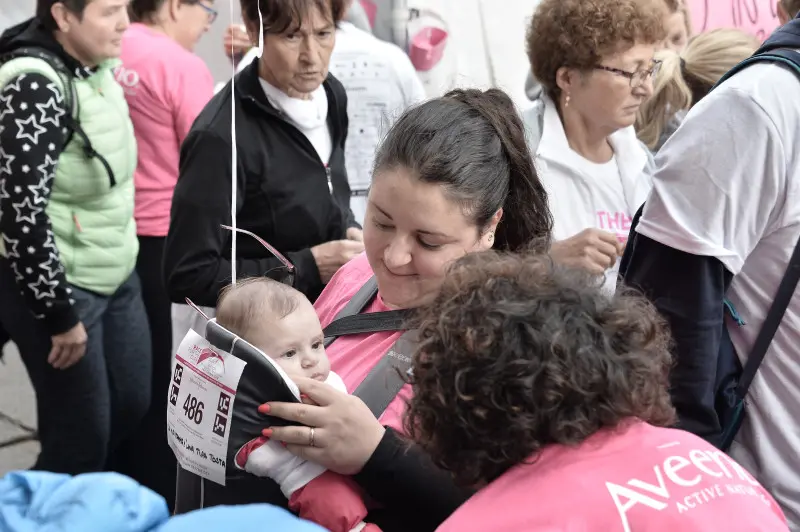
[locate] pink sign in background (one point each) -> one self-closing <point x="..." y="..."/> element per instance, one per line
<point x="754" y="16"/>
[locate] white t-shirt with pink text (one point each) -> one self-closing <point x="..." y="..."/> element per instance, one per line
<point x="583" y="194"/>
<point x="638" y="479"/>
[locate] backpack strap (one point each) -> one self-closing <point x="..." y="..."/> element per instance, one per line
<point x="791" y="59"/>
<point x="71" y="101"/>
<point x="391" y="373"/>
<point x="57" y="64"/>
<point x="771" y="323"/>
<point x="784" y="56"/>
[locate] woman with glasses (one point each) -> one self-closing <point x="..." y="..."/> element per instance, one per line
<point x="166" y="86"/>
<point x="595" y="63"/>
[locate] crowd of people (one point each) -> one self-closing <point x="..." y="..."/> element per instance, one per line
<point x="585" y="283"/>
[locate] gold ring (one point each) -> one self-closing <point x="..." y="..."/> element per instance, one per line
<point x="311" y="437"/>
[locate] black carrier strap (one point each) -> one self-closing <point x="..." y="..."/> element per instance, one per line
<point x="71" y="101"/>
<point x="388" y="377"/>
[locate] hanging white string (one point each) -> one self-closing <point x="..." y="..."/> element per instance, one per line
<point x="260" y="31"/>
<point x="234" y="165"/>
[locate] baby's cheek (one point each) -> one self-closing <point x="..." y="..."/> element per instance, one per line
<point x="289" y="365"/>
<point x="324" y="364"/>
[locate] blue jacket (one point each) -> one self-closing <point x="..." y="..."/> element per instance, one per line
<point x="109" y="502"/>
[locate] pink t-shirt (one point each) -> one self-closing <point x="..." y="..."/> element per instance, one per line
<point x="642" y="479"/>
<point x="354" y="356"/>
<point x="166" y="87"/>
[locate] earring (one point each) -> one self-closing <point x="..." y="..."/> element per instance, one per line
<point x="566" y="103"/>
<point x="491" y="236"/>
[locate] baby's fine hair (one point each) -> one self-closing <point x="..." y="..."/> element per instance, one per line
<point x="249" y="300"/>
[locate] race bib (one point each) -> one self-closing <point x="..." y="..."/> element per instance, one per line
<point x="201" y="395"/>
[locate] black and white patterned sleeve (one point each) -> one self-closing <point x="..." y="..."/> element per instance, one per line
<point x="32" y="118"/>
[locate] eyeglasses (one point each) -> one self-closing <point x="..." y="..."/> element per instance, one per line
<point x="286" y="277"/>
<point x="212" y="13"/>
<point x="286" y="272"/>
<point x="637" y="78"/>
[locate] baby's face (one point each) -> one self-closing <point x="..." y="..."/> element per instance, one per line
<point x="294" y="342"/>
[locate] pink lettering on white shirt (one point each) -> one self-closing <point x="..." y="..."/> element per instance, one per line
<point x="615" y="222"/>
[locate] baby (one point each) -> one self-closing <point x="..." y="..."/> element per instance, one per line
<point x="282" y="323"/>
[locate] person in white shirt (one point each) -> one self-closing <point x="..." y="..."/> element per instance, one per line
<point x="721" y="223"/>
<point x="381" y="83"/>
<point x="595" y="63"/>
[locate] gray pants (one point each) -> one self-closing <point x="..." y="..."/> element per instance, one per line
<point x="84" y="412"/>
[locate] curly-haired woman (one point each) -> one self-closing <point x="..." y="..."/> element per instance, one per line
<point x="595" y="63"/>
<point x="533" y="385"/>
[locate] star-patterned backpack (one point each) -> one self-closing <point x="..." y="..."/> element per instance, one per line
<point x="71" y="101"/>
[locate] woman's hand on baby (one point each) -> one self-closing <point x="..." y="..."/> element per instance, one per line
<point x="345" y="431"/>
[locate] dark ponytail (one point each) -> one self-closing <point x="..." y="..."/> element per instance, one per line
<point x="527" y="220"/>
<point x="473" y="142"/>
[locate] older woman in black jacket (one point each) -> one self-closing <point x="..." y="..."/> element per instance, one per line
<point x="290" y="129"/>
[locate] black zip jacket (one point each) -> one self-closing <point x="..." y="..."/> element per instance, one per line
<point x="283" y="194"/>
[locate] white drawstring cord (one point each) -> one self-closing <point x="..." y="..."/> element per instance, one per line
<point x="234" y="165"/>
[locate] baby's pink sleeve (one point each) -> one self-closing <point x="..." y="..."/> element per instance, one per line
<point x="332" y="501"/>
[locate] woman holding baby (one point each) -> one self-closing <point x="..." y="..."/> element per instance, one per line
<point x="453" y="176"/>
<point x="470" y="186"/>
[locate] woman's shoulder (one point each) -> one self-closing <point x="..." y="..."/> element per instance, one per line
<point x="167" y="70"/>
<point x="342" y="287"/>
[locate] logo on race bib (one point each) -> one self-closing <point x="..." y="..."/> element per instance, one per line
<point x="211" y="362"/>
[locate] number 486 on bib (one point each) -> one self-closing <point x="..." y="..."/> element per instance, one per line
<point x="193" y="409"/>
